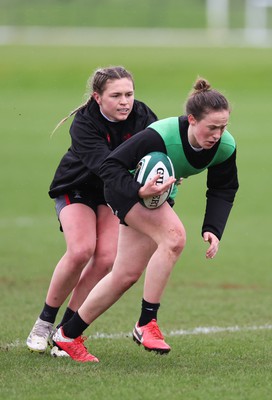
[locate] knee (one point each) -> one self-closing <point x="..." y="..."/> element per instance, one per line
<point x="80" y="256"/>
<point x="176" y="240"/>
<point x="104" y="261"/>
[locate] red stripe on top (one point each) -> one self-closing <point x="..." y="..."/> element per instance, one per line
<point x="67" y="200"/>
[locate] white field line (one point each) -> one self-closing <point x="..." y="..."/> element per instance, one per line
<point x="131" y="37"/>
<point x="183" y="332"/>
<point x="201" y="330"/>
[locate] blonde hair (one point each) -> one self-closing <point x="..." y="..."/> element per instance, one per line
<point x="97" y="83"/>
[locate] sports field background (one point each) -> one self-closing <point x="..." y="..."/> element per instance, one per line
<point x="40" y="85"/>
<point x="115" y="13"/>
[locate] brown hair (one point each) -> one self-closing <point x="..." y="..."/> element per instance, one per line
<point x="98" y="80"/>
<point x="203" y="99"/>
<point x="97" y="83"/>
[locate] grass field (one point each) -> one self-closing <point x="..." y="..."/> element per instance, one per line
<point x="114" y="13"/>
<point x="41" y="85"/>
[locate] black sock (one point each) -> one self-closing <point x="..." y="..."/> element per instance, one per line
<point x="74" y="327"/>
<point x="49" y="313"/>
<point x="66" y="317"/>
<point x="149" y="312"/>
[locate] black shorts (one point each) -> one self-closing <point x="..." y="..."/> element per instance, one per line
<point x="120" y="205"/>
<point x="91" y="198"/>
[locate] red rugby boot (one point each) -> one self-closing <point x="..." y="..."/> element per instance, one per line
<point x="150" y="337"/>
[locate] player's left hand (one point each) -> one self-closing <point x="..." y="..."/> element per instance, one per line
<point x="214" y="244"/>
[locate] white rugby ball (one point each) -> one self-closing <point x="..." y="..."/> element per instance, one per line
<point x="150" y="165"/>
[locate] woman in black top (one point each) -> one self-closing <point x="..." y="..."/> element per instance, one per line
<point x="153" y="239"/>
<point x="108" y="118"/>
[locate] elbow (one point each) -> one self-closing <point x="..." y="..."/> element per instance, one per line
<point x="103" y="170"/>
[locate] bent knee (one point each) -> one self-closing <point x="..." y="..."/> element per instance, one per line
<point x="176" y="240"/>
<point x="104" y="262"/>
<point x="80" y="256"/>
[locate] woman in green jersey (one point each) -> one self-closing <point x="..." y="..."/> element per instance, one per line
<point x="155" y="238"/>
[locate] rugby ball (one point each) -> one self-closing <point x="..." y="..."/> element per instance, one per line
<point x="150" y="165"/>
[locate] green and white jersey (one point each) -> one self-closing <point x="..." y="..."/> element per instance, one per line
<point x="170" y="136"/>
<point x="169" y="129"/>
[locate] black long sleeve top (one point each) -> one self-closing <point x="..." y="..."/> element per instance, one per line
<point x="93" y="137"/>
<point x="222" y="179"/>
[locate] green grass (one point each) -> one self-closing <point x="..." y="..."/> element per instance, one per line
<point x="221" y="367"/>
<point x="118" y="13"/>
<point x="38" y="87"/>
<point x="113" y="13"/>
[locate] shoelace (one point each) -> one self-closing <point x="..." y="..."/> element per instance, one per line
<point x="155" y="331"/>
<point x="78" y="346"/>
<point x="42" y="329"/>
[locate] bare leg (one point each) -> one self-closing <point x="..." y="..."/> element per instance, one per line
<point x="102" y="261"/>
<point x="134" y="252"/>
<point x="169" y="233"/>
<point x="79" y="227"/>
<point x="153" y="237"/>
